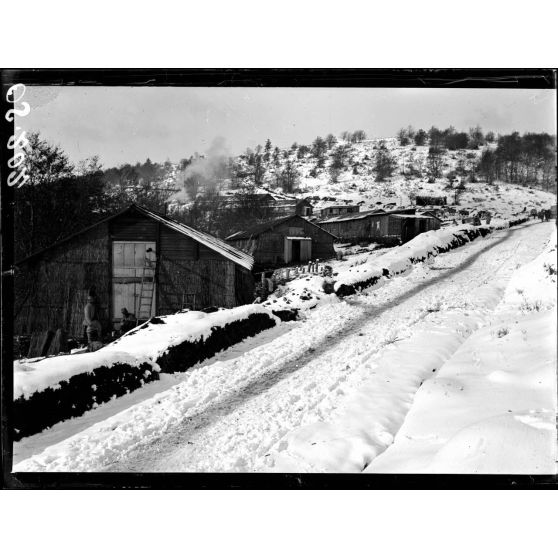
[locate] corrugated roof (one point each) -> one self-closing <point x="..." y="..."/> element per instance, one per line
<point x="338" y="206"/>
<point x="364" y="214"/>
<point x="212" y="242"/>
<point x="354" y="216"/>
<point x="429" y="214"/>
<point x="258" y="229"/>
<point x="408" y="216"/>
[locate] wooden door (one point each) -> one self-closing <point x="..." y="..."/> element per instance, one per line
<point x="288" y="250"/>
<point x="128" y="262"/>
<point x="295" y="250"/>
<point x="305" y="250"/>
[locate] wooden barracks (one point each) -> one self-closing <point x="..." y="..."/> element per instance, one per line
<point x="185" y="267"/>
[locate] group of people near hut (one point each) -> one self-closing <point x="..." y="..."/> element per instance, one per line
<point x="544" y="215"/>
<point x="268" y="284"/>
<point x="92" y="328"/>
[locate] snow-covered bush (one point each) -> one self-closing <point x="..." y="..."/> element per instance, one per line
<point x="515" y="222"/>
<point x="55" y="389"/>
<point x="399" y="260"/>
<point x="76" y="395"/>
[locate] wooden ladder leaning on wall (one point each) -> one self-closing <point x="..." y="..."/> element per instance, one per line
<point x="147" y="291"/>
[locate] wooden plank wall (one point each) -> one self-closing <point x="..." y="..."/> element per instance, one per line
<point x="351" y="230"/>
<point x="212" y="281"/>
<point x="244" y="286"/>
<point x="271" y="244"/>
<point x="52" y="288"/>
<point x="132" y="226"/>
<point x="187" y="266"/>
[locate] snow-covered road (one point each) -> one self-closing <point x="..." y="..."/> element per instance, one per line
<point x="284" y="405"/>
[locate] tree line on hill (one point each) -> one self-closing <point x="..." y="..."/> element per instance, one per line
<point x="528" y="159"/>
<point x="61" y="198"/>
<point x="449" y="138"/>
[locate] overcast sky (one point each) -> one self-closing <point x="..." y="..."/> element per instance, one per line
<point x="126" y="125"/>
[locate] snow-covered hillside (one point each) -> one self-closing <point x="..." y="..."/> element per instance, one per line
<point x="502" y="200"/>
<point x="356" y="182"/>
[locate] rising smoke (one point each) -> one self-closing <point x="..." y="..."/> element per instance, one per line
<point x="204" y="174"/>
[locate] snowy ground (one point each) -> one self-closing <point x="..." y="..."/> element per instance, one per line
<point x="332" y="392"/>
<point x="492" y="406"/>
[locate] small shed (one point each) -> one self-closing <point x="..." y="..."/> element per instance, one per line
<point x="430" y="200"/>
<point x="381" y="226"/>
<point x="115" y="257"/>
<point x="406" y="226"/>
<point x="351" y="227"/>
<point x="285" y="240"/>
<point x="271" y="205"/>
<point x="333" y="210"/>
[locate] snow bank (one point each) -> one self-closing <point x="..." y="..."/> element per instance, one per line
<point x="144" y="344"/>
<point x="495" y="399"/>
<point x="533" y="286"/>
<point x="58" y="388"/>
<point x="400" y="259"/>
<point x="491" y="409"/>
<point x="300" y="294"/>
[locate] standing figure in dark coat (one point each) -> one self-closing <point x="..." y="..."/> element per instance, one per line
<point x="92" y="325"/>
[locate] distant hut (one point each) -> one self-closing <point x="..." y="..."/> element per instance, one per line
<point x="183" y="267"/>
<point x="272" y="206"/>
<point x="333" y="210"/>
<point x="292" y="206"/>
<point x="285" y="240"/>
<point x="388" y="227"/>
<point x="352" y="227"/>
<point x="430" y="200"/>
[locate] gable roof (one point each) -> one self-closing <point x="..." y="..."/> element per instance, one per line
<point x="411" y="216"/>
<point x="365" y="214"/>
<point x="338" y="206"/>
<point x="429" y="214"/>
<point x="354" y="216"/>
<point x="268" y="225"/>
<point x="220" y="246"/>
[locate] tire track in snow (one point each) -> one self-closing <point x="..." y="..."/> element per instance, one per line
<point x="157" y="454"/>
